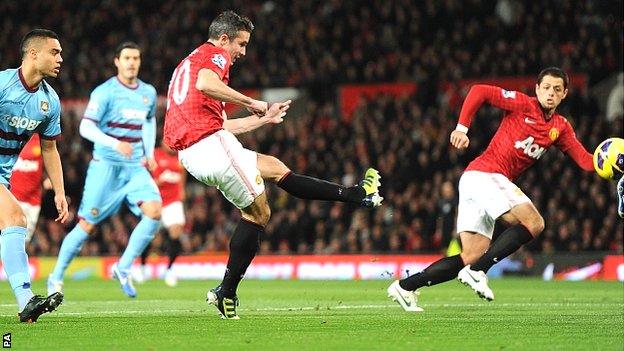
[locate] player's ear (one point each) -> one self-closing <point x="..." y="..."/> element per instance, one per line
<point x="536" y="88"/>
<point x="224" y="39"/>
<point x="565" y="93"/>
<point x="32" y="52"/>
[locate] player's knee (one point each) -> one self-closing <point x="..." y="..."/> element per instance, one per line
<point x="470" y="257"/>
<point x="260" y="216"/>
<point x="264" y="216"/>
<point x="89" y="228"/>
<point x="152" y="210"/>
<point x="14" y="217"/>
<point x="536" y="226"/>
<point x="272" y="168"/>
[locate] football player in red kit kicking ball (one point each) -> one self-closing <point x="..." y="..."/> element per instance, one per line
<point x="529" y="127"/>
<point x="197" y="126"/>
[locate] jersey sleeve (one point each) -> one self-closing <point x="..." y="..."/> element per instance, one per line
<point x="493" y="95"/>
<point x="5" y="79"/>
<point x="152" y="111"/>
<point x="218" y="62"/>
<point x="570" y="145"/>
<point x="98" y="104"/>
<point x="51" y="128"/>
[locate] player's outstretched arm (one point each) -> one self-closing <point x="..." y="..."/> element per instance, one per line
<point x="209" y="83"/>
<point x="275" y="115"/>
<point x="493" y="95"/>
<point x="90" y="131"/>
<point x="54" y="169"/>
<point x="569" y="144"/>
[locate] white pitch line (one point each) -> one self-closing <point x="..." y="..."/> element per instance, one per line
<point x="323" y="308"/>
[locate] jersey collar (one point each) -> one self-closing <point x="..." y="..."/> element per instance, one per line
<point x="23" y="81"/>
<point x="128" y="86"/>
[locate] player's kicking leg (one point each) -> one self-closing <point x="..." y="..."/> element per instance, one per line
<point x="365" y="193"/>
<point x="15" y="260"/>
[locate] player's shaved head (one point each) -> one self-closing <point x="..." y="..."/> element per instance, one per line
<point x="554" y="72"/>
<point x="229" y="23"/>
<point x="34" y="38"/>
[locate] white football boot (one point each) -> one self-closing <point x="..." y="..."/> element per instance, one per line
<point x="170" y="278"/>
<point x="407" y="299"/>
<point x="477" y="281"/>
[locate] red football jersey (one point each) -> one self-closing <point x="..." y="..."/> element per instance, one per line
<point x="168" y="176"/>
<point x="27" y="173"/>
<point x="191" y="114"/>
<point x="524" y="135"/>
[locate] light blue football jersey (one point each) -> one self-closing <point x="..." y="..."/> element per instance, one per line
<point x="120" y="111"/>
<point x="23" y="112"/>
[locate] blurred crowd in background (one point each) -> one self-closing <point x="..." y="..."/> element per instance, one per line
<point x="319" y="45"/>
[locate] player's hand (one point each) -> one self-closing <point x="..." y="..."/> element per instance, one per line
<point x="61" y="207"/>
<point x="258" y="108"/>
<point x="459" y="139"/>
<point x="124" y="148"/>
<point x="276" y="112"/>
<point x="151" y="164"/>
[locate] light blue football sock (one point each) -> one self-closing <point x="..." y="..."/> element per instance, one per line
<point x="69" y="249"/>
<point x="15" y="263"/>
<point x="141" y="236"/>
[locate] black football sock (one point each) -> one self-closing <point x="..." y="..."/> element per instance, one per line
<point x="440" y="271"/>
<point x="507" y="243"/>
<point x="174" y="250"/>
<point x="243" y="247"/>
<point x="145" y="254"/>
<point x="310" y="188"/>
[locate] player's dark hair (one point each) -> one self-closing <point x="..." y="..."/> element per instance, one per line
<point x="35" y="34"/>
<point x="229" y="23"/>
<point x="554" y="72"/>
<point x="126" y="45"/>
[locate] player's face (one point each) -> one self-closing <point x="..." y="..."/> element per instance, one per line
<point x="238" y="46"/>
<point x="48" y="57"/>
<point x="128" y="63"/>
<point x="550" y="92"/>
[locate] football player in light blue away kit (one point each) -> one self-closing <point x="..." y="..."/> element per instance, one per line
<point x="120" y="121"/>
<point x="29" y="105"/>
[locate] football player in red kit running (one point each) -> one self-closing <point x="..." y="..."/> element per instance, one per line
<point x="529" y="127"/>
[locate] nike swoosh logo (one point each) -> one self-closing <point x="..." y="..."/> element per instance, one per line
<point x="473" y="277"/>
<point x="528" y="120"/>
<point x="407" y="303"/>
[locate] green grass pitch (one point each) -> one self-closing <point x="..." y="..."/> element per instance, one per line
<point x="527" y="314"/>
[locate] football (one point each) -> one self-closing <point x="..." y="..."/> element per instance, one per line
<point x="609" y="158"/>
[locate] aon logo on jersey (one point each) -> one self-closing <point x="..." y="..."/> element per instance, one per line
<point x="530" y="148"/>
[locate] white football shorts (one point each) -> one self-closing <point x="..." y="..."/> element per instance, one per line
<point x="173" y="214"/>
<point x="32" y="215"/>
<point x="220" y="160"/>
<point x="483" y="197"/>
